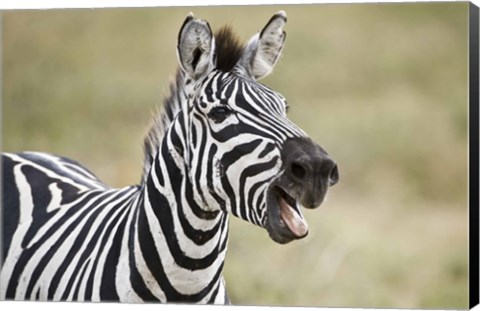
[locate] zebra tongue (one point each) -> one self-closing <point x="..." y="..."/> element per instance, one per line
<point x="294" y="221"/>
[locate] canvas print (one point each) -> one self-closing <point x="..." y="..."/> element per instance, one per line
<point x="280" y="155"/>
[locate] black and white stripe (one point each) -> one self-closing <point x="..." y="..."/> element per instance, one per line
<point x="215" y="151"/>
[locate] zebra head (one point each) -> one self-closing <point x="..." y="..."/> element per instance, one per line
<point x="243" y="154"/>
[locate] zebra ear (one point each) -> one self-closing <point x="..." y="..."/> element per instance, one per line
<point x="263" y="50"/>
<point x="195" y="47"/>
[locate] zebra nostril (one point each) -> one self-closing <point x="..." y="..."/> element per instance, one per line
<point x="334" y="176"/>
<point x="298" y="170"/>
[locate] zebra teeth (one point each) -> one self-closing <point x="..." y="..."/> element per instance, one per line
<point x="291" y="214"/>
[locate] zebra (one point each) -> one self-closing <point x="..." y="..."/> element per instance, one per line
<point x="221" y="145"/>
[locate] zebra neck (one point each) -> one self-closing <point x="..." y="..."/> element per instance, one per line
<point x="183" y="245"/>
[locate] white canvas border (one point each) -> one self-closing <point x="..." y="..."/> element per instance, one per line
<point x="49" y="4"/>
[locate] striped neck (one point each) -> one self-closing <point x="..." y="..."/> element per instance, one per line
<point x="177" y="242"/>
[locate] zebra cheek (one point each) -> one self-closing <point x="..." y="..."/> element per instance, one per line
<point x="220" y="177"/>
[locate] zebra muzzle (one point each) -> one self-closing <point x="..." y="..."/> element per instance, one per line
<point x="308" y="172"/>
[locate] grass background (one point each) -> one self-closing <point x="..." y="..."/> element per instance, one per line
<point x="382" y="87"/>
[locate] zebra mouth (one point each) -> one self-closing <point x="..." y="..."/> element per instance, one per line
<point x="285" y="221"/>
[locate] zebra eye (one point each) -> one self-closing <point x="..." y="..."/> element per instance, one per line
<point x="219" y="113"/>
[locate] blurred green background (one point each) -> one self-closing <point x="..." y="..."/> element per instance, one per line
<point x="382" y="87"/>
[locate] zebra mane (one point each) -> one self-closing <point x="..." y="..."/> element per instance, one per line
<point x="228" y="49"/>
